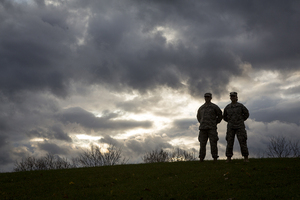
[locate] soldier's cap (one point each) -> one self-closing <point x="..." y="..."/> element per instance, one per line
<point x="207" y="94"/>
<point x="233" y="94"/>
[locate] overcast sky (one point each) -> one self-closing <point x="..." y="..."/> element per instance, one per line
<point x="134" y="72"/>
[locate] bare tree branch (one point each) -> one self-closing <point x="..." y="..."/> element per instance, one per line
<point x="47" y="162"/>
<point x="279" y="147"/>
<point x="95" y="156"/>
<point x="165" y="156"/>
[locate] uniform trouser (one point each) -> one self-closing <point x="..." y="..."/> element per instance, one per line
<point x="242" y="138"/>
<point x="212" y="135"/>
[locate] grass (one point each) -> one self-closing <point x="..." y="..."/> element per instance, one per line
<point x="259" y="179"/>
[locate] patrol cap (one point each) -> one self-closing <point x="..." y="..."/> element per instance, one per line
<point x="233" y="94"/>
<point x="207" y="94"/>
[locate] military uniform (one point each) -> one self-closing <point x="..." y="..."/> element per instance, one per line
<point x="235" y="114"/>
<point x="208" y="115"/>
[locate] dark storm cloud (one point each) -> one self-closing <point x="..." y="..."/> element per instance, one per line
<point x="34" y="49"/>
<point x="184" y="124"/>
<point x="128" y="45"/>
<point x="24" y="112"/>
<point x="55" y="132"/>
<point x="5" y="156"/>
<point x="268" y="110"/>
<point x="145" y="59"/>
<point x="52" y="148"/>
<point x="27" y="116"/>
<point x="271" y="32"/>
<point x="186" y="127"/>
<point x="109" y="140"/>
<point x="144" y="104"/>
<point x="3" y="140"/>
<point x="147" y="144"/>
<point x="89" y="120"/>
<point x="293" y="90"/>
<point x="213" y="40"/>
<point x="123" y="47"/>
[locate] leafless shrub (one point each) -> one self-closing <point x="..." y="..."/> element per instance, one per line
<point x="156" y="156"/>
<point x="26" y="164"/>
<point x="295" y="148"/>
<point x="47" y="162"/>
<point x="165" y="156"/>
<point x="279" y="147"/>
<point x="95" y="156"/>
<point x="89" y="158"/>
<point x="181" y="155"/>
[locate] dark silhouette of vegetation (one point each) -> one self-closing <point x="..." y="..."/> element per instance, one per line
<point x="95" y="156"/>
<point x="92" y="157"/>
<point x="279" y="147"/>
<point x="47" y="162"/>
<point x="156" y="156"/>
<point x="166" y="156"/>
<point x="181" y="155"/>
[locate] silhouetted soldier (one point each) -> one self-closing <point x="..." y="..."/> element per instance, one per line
<point x="235" y="114"/>
<point x="208" y="115"/>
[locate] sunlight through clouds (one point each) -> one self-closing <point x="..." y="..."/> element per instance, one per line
<point x="88" y="137"/>
<point x="170" y="34"/>
<point x="82" y="72"/>
<point x="84" y="142"/>
<point x="37" y="140"/>
<point x="53" y="2"/>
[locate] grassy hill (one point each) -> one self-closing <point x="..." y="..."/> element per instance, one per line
<point x="259" y="179"/>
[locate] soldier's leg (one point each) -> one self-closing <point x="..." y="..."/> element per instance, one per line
<point x="242" y="138"/>
<point x="203" y="137"/>
<point x="230" y="142"/>
<point x="213" y="139"/>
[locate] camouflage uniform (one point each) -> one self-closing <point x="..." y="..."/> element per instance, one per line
<point x="235" y="114"/>
<point x="208" y="115"/>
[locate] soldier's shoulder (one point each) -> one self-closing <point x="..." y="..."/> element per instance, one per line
<point x="215" y="105"/>
<point x="227" y="106"/>
<point x="240" y="104"/>
<point x="201" y="107"/>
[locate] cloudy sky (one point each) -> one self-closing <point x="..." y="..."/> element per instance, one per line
<point x="133" y="73"/>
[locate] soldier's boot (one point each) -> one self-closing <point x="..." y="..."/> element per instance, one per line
<point x="228" y="159"/>
<point x="246" y="159"/>
<point x="215" y="159"/>
<point x="201" y="159"/>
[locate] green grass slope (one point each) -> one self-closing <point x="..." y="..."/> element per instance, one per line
<point x="259" y="179"/>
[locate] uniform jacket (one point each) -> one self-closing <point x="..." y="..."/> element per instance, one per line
<point x="235" y="115"/>
<point x="209" y="115"/>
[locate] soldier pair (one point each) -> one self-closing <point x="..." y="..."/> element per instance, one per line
<point x="209" y="115"/>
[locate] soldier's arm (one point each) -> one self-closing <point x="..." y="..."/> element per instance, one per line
<point x="245" y="113"/>
<point x="219" y="114"/>
<point x="225" y="115"/>
<point x="199" y="115"/>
